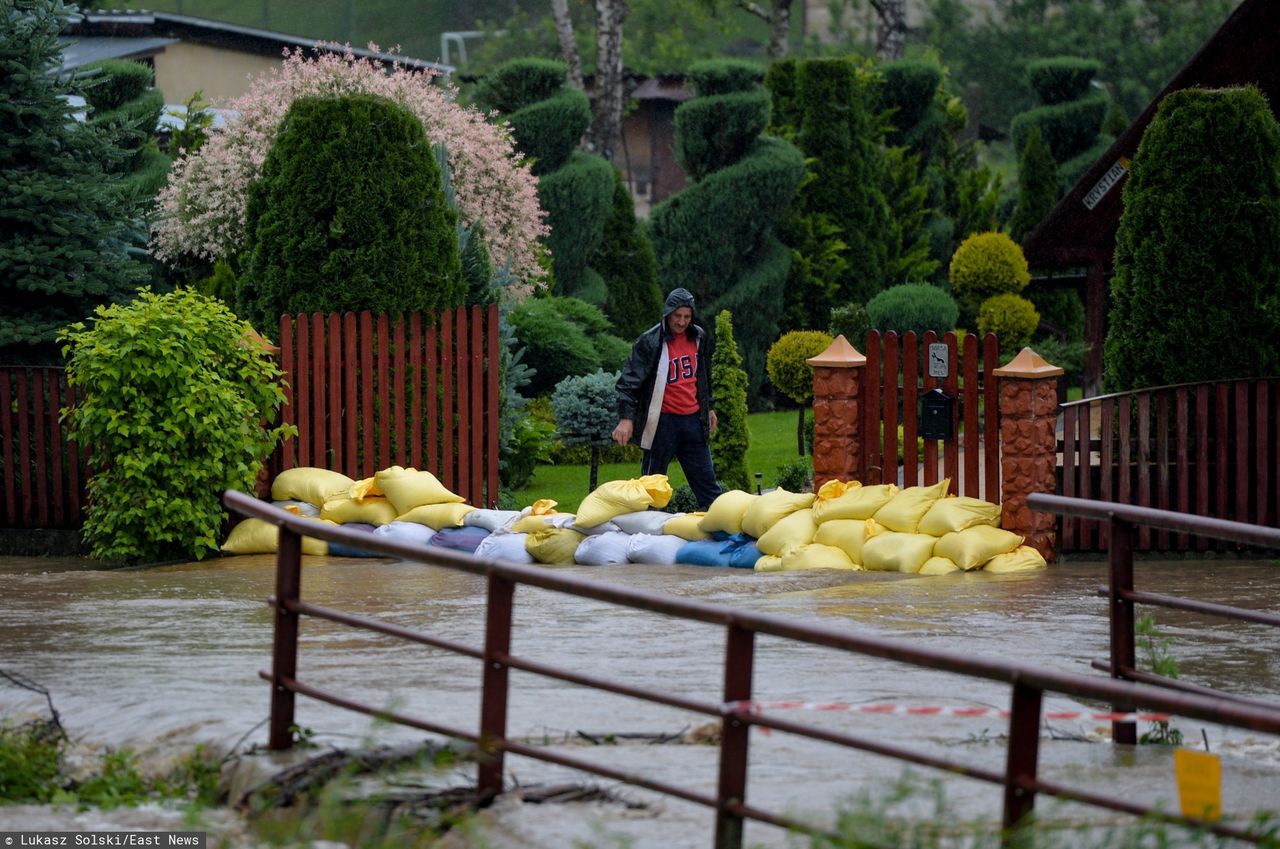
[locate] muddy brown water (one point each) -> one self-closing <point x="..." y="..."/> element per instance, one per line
<point x="164" y="658"/>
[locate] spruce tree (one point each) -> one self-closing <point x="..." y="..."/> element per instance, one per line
<point x="63" y="218"/>
<point x="729" y="385"/>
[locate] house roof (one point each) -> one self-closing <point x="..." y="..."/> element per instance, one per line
<point x="1081" y="229"/>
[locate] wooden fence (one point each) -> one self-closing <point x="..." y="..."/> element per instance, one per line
<point x="44" y="470"/>
<point x="1210" y="449"/>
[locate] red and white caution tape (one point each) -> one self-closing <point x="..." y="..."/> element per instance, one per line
<point x="883" y="708"/>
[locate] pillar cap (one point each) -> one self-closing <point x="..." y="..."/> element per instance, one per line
<point x="1028" y="364"/>
<point x="252" y="338"/>
<point x="839" y="354"/>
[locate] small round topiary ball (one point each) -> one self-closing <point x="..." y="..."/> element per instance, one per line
<point x="987" y="264"/>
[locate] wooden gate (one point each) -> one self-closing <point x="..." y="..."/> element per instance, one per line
<point x="44" y="470"/>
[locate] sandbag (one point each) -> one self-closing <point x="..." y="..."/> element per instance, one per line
<point x="816" y="556"/>
<point x="659" y="489"/>
<point x="766" y="510"/>
<point x="903" y="512"/>
<point x="593" y="530"/>
<point x="366" y="488"/>
<point x="939" y="566"/>
<point x="541" y="507"/>
<point x="530" y="523"/>
<point x="553" y="546"/>
<point x="410" y="532"/>
<point x="310" y="484"/>
<point x="974" y="546"/>
<point x="605" y="549"/>
<point x="642" y="522"/>
<point x="372" y="511"/>
<point x="848" y="535"/>
<point x="653" y="548"/>
<point x="687" y="526"/>
<point x="726" y="512"/>
<point x="955" y="514"/>
<point x="1022" y="559"/>
<point x="341" y="549"/>
<point x="447" y="514"/>
<point x="859" y="502"/>
<point x="704" y="552"/>
<point x="258" y="536"/>
<point x="611" y="499"/>
<point x="504" y="546"/>
<point x="744" y="553"/>
<point x="769" y="563"/>
<point x="893" y="551"/>
<point x="298" y="508"/>
<point x="459" y="539"/>
<point x="791" y="531"/>
<point x="410" y="488"/>
<point x="491" y="520"/>
<point x="833" y="489"/>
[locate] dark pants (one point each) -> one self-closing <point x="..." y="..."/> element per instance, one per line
<point x="680" y="438"/>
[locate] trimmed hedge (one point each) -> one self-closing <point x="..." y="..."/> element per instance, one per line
<point x="111" y="83"/>
<point x="519" y="83"/>
<point x="577" y="198"/>
<point x="908" y="89"/>
<point x="715" y="132"/>
<point x="917" y="307"/>
<point x="1061" y="78"/>
<point x="1012" y="318"/>
<point x="1068" y="128"/>
<point x="628" y="268"/>
<point x="986" y="264"/>
<point x="732" y="437"/>
<point x="724" y="76"/>
<point x="547" y="132"/>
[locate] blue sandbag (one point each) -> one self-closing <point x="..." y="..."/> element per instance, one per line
<point x="744" y="555"/>
<point x="466" y="538"/>
<point x="705" y="552"/>
<point x="337" y="549"/>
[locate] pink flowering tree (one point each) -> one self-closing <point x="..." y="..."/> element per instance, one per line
<point x="201" y="211"/>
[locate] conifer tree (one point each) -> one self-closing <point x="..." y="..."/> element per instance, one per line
<point x="1037" y="186"/>
<point x="729" y="385"/>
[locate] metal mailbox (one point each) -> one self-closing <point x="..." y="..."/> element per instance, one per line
<point x="936" y="415"/>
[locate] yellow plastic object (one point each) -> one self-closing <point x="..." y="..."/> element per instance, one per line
<point x="310" y="484"/>
<point x="617" y="497"/>
<point x="848" y="535"/>
<point x="974" y="546"/>
<point x="1199" y="778"/>
<point x="437" y="516"/>
<point x="1024" y="558"/>
<point x="939" y="566"/>
<point x="553" y="546"/>
<point x="410" y="488"/>
<point x="769" y="563"/>
<point x="686" y="526"/>
<point x="790" y="531"/>
<point x="659" y="489"/>
<point x="258" y="536"/>
<point x="816" y="556"/>
<point x="833" y="489"/>
<point x="372" y="510"/>
<point x="858" y="503"/>
<point x="957" y="513"/>
<point x="366" y="488"/>
<point x="768" y="509"/>
<point x="893" y="551"/>
<point x="903" y="512"/>
<point x="726" y="512"/>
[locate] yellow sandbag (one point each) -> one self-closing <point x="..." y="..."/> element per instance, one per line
<point x="372" y="511"/>
<point x="903" y="512"/>
<point x="848" y="535"/>
<point x="790" y="531"/>
<point x="769" y="563"/>
<point x="410" y="488"/>
<point x="553" y="546"/>
<point x="543" y="507"/>
<point x="258" y="536"/>
<point x="765" y="511"/>
<point x="938" y="566"/>
<point x="860" y="502"/>
<point x="366" y="488"/>
<point x="686" y="526"/>
<point x="955" y="514"/>
<point x="310" y="484"/>
<point x="833" y="489"/>
<point x="816" y="556"/>
<point x="613" y="499"/>
<point x="659" y="489"/>
<point x="1022" y="559"/>
<point x="974" y="546"/>
<point x="726" y="512"/>
<point x="893" y="551"/>
<point x="437" y="516"/>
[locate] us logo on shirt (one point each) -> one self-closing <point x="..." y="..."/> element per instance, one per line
<point x="681" y="368"/>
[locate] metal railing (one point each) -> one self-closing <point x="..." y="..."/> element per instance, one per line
<point x="1019" y="780"/>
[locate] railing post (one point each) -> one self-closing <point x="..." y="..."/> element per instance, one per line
<point x="284" y="648"/>
<point x="1123" y="651"/>
<point x="739" y="658"/>
<point x="493" y="703"/>
<point x="837" y="416"/>
<point x="1022" y="759"/>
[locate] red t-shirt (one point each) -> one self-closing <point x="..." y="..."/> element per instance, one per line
<point x="681" y="395"/>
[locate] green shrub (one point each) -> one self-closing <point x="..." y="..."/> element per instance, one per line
<point x="555" y="346"/>
<point x="519" y="83"/>
<point x="713" y="77"/>
<point x="171" y="400"/>
<point x="682" y="500"/>
<point x="1037" y="186"/>
<point x="908" y="91"/>
<point x="1061" y="78"/>
<point x="1060" y="307"/>
<point x="852" y="322"/>
<point x="628" y="267"/>
<point x="715" y="132"/>
<point x="1066" y="354"/>
<point x="586" y="408"/>
<point x="731" y="439"/>
<point x="796" y="476"/>
<point x="523" y="438"/>
<point x="30" y="762"/>
<point x="111" y="83"/>
<point x="917" y="307"/>
<point x="577" y="198"/>
<point x="986" y="264"/>
<point x="1012" y="318"/>
<point x="784" y="115"/>
<point x="1068" y="128"/>
<point x="791" y="374"/>
<point x="547" y="132"/>
<point x="611" y="350"/>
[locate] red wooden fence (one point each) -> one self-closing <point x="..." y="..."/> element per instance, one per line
<point x="1212" y="449"/>
<point x="369" y="392"/>
<point x="893" y="382"/>
<point x="44" y="470"/>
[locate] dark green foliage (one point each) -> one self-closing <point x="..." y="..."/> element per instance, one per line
<point x="1066" y="354"/>
<point x="790" y="372"/>
<point x="852" y="322"/>
<point x="715" y="132"/>
<point x="817" y="265"/>
<point x="349" y="215"/>
<point x="586" y="408"/>
<point x="577" y="199"/>
<point x="477" y="267"/>
<point x="731" y="439"/>
<point x="547" y="132"/>
<point x="785" y="114"/>
<point x="908" y="93"/>
<point x="1061" y="78"/>
<point x="1037" y="186"/>
<point x="221" y="284"/>
<point x="630" y="270"/>
<point x="916" y="307"/>
<point x="724" y="76"/>
<point x="1070" y="172"/>
<point x="1196" y="291"/>
<point x="111" y="83"/>
<point x="124" y="106"/>
<point x="65" y="218"/>
<point x="562" y="337"/>
<point x="523" y="439"/>
<point x="907" y="245"/>
<point x="1068" y="128"/>
<point x="518" y="83"/>
<point x="612" y="351"/>
<point x="1116" y="121"/>
<point x="796" y="476"/>
<point x="1060" y="309"/>
<point x="683" y="500"/>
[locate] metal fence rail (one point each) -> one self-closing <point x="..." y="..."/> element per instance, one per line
<point x="1028" y="684"/>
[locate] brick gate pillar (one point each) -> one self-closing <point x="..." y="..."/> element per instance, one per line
<point x="1028" y="446"/>
<point x="837" y="423"/>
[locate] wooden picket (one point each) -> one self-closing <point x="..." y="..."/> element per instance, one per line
<point x="44" y="469"/>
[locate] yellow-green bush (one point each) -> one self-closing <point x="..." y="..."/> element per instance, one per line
<point x="786" y="362"/>
<point x="1012" y="318"/>
<point x="986" y="264"/>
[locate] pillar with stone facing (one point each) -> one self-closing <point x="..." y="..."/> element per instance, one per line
<point x="1028" y="446"/>
<point x="837" y="422"/>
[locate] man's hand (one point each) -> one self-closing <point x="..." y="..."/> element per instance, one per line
<point x="711" y="416"/>
<point x="622" y="433"/>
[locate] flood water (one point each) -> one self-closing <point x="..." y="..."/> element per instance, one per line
<point x="164" y="658"/>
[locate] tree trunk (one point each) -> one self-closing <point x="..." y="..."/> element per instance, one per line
<point x="891" y="28"/>
<point x="610" y="93"/>
<point x="778" y="17"/>
<point x="568" y="44"/>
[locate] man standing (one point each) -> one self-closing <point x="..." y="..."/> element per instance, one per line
<point x="666" y="388"/>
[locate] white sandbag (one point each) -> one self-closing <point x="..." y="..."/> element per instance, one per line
<point x="604" y="549"/>
<point x="406" y="532"/>
<point x="594" y="530"/>
<point x="642" y="521"/>
<point x="490" y="520"/>
<point x="653" y="548"/>
<point x="505" y="546"/>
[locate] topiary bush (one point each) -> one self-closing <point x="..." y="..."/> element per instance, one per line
<point x="1068" y="128"/>
<point x="172" y="392"/>
<point x="1012" y="318"/>
<point x="1037" y="186"/>
<point x="626" y="263"/>
<point x="908" y="92"/>
<point x="731" y="439"/>
<point x="916" y="307"/>
<point x="986" y="264"/>
<point x="852" y="322"/>
<point x="719" y="130"/>
<point x="791" y="374"/>
<point x="1059" y="79"/>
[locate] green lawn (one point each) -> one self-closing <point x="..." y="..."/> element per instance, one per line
<point x="773" y="444"/>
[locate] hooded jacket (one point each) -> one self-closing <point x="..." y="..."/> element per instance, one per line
<point x="643" y="378"/>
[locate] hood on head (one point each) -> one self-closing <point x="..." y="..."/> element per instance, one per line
<point x="677" y="299"/>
